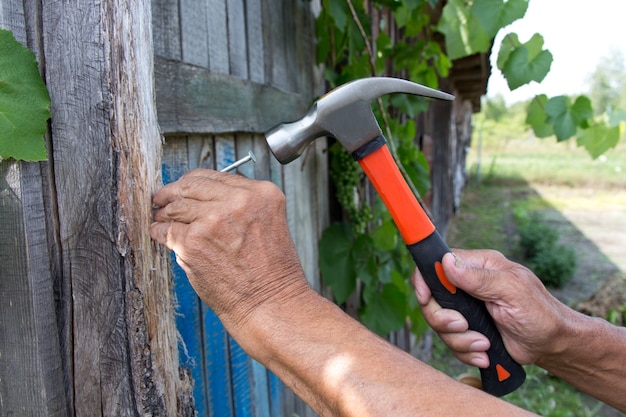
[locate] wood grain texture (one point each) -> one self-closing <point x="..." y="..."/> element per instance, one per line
<point x="254" y="33"/>
<point x="106" y="164"/>
<point x="30" y="353"/>
<point x="217" y="26"/>
<point x="166" y="29"/>
<point x="237" y="39"/>
<point x="194" y="32"/>
<point x="194" y="100"/>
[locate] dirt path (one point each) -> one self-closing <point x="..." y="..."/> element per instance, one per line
<point x="594" y="223"/>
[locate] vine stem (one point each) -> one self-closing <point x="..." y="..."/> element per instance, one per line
<point x="379" y="101"/>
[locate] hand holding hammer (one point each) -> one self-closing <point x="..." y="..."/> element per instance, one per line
<point x="345" y="114"/>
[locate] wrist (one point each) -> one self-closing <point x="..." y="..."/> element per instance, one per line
<point x="566" y="347"/>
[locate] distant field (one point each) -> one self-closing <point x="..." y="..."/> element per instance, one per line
<point x="546" y="161"/>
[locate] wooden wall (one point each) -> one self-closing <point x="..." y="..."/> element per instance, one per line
<point x="86" y="318"/>
<point x="225" y="72"/>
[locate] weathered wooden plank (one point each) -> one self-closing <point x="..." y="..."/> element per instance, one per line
<point x="194" y="100"/>
<point x="292" y="32"/>
<point x="254" y="31"/>
<point x="12" y="18"/>
<point x="200" y="151"/>
<point x="263" y="157"/>
<point x="217" y="357"/>
<point x="166" y="29"/>
<point x="275" y="54"/>
<point x="241" y="369"/>
<point x="106" y="162"/>
<point x="217" y="22"/>
<point x="194" y="32"/>
<point x="237" y="45"/>
<point x="277" y="396"/>
<point x="224" y="151"/>
<point x="30" y="353"/>
<point x="243" y="145"/>
<point x="261" y="387"/>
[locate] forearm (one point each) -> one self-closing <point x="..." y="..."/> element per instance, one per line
<point x="342" y="369"/>
<point x="591" y="357"/>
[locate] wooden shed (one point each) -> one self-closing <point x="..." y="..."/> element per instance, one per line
<point x="95" y="319"/>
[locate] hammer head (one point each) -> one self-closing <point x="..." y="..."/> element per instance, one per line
<point x="344" y="113"/>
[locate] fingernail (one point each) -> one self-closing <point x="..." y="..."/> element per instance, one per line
<point x="458" y="262"/>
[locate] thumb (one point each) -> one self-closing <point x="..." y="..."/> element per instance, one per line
<point x="479" y="281"/>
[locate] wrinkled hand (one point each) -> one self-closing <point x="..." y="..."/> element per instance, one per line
<point x="230" y="236"/>
<point x="525" y="313"/>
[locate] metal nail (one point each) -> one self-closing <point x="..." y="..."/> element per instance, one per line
<point x="249" y="157"/>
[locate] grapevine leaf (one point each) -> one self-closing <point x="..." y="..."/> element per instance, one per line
<point x="24" y="102"/>
<point x="508" y="44"/>
<point x="566" y="118"/>
<point x="525" y="63"/>
<point x="537" y="118"/>
<point x="463" y="32"/>
<point x="385" y="311"/>
<point x="496" y="14"/>
<point x="385" y="236"/>
<point x="339" y="13"/>
<point x="598" y="139"/>
<point x="336" y="262"/>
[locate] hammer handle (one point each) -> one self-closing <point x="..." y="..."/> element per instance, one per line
<point x="428" y="248"/>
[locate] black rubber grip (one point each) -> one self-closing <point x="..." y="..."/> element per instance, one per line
<point x="504" y="374"/>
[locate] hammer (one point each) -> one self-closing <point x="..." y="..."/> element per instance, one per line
<point x="345" y="113"/>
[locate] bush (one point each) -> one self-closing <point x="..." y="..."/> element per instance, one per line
<point x="552" y="262"/>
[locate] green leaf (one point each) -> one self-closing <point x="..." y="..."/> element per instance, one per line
<point x="385" y="311"/>
<point x="537" y="118"/>
<point x="463" y="32"/>
<point x="385" y="236"/>
<point x="598" y="139"/>
<point x="24" y="102"/>
<point x="339" y="12"/>
<point x="336" y="263"/>
<point x="566" y="118"/>
<point x="521" y="64"/>
<point x="496" y="14"/>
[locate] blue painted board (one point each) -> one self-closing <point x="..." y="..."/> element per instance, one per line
<point x="219" y="383"/>
<point x="188" y="315"/>
<point x="241" y="369"/>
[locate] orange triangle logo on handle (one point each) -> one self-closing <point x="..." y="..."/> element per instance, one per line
<point x="503" y="374"/>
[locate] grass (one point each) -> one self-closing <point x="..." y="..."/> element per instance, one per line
<point x="504" y="178"/>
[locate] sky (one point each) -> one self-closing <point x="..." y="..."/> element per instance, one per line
<point x="577" y="32"/>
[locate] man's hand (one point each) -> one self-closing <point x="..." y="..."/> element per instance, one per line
<point x="525" y="313"/>
<point x="230" y="235"/>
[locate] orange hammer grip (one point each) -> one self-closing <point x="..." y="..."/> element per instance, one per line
<point x="412" y="221"/>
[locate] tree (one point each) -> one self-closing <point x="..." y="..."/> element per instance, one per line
<point x="608" y="84"/>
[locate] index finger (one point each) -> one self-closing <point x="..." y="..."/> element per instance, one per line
<point x="199" y="184"/>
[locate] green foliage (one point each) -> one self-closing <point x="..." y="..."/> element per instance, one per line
<point x="523" y="63"/>
<point x="469" y="27"/>
<point x="24" y="102"/>
<point x="561" y="117"/>
<point x="565" y="116"/>
<point x="552" y="262"/>
<point x="366" y="249"/>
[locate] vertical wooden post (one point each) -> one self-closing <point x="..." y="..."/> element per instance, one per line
<point x="121" y="357"/>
